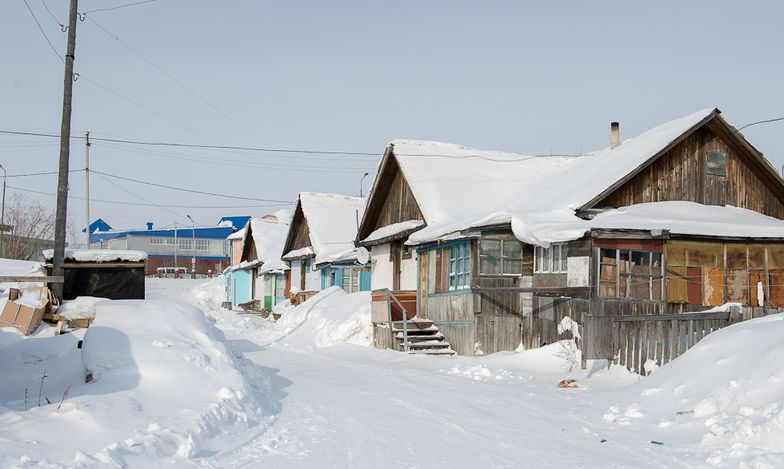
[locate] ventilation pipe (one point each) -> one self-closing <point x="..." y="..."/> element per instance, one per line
<point x="615" y="134"/>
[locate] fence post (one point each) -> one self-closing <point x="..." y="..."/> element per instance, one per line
<point x="735" y="314"/>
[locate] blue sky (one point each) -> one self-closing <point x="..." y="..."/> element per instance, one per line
<point x="516" y="76"/>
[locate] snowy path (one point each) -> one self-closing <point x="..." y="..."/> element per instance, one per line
<point x="356" y="407"/>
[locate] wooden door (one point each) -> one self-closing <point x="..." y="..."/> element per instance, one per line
<point x="302" y="273"/>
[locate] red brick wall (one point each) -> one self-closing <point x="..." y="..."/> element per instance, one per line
<point x="202" y="265"/>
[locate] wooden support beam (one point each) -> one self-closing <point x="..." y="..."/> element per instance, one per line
<point x="24" y="279"/>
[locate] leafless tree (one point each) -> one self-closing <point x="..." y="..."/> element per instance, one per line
<point x="33" y="228"/>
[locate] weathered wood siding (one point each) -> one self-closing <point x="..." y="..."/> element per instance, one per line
<point x="454" y="316"/>
<point x="680" y="174"/>
<point x="393" y="201"/>
<point x="301" y="234"/>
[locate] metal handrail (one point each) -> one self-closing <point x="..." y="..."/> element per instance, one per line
<point x="405" y="320"/>
<point x="389" y="313"/>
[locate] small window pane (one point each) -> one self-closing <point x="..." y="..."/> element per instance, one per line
<point x="564" y="257"/>
<point x="513" y="266"/>
<point x="513" y="249"/>
<point x="556" y="252"/>
<point x="490" y="247"/>
<point x="545" y="265"/>
<point x="489" y="265"/>
<point x="716" y="164"/>
<point x="608" y="256"/>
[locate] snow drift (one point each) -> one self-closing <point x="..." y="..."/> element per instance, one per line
<point x="163" y="386"/>
<point x="726" y="393"/>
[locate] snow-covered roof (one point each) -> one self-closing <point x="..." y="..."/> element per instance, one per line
<point x="677" y="217"/>
<point x="458" y="188"/>
<point x="17" y="268"/>
<point x="269" y="238"/>
<point x="393" y="229"/>
<point x="237" y="234"/>
<point x="99" y="255"/>
<point x="332" y="219"/>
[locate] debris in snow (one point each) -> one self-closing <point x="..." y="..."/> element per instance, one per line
<point x="567" y="383"/>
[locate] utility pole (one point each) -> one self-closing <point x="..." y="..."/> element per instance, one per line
<point x="87" y="185"/>
<point x="65" y="141"/>
<point x="2" y="214"/>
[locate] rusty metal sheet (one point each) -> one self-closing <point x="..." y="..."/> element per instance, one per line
<point x="776" y="278"/>
<point x="712" y="287"/>
<point x="677" y="285"/>
<point x="738" y="286"/>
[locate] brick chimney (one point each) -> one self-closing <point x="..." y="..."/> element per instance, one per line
<point x="615" y="134"/>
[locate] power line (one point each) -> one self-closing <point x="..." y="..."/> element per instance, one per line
<point x="41" y="174"/>
<point x="63" y="27"/>
<point x="761" y="122"/>
<point x="136" y="204"/>
<point x="140" y="197"/>
<point x="207" y="147"/>
<point x="117" y="7"/>
<point x="175" y="80"/>
<point x="42" y="32"/>
<point x="193" y="191"/>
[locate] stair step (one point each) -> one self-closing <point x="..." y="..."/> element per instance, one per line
<point x="439" y="344"/>
<point x="438" y="351"/>
<point x="413" y="324"/>
<point x="428" y="336"/>
<point x="413" y="330"/>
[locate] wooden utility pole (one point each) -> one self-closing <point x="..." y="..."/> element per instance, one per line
<point x="87" y="186"/>
<point x="65" y="141"/>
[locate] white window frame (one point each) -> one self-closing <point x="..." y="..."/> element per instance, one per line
<point x="558" y="251"/>
<point x="501" y="258"/>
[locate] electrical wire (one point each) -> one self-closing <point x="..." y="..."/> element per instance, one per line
<point x="59" y="57"/>
<point x="165" y="209"/>
<point x="175" y="80"/>
<point x="192" y="191"/>
<point x="42" y="174"/>
<point x="63" y="27"/>
<point x="761" y="122"/>
<point x="117" y="7"/>
<point x="135" y="204"/>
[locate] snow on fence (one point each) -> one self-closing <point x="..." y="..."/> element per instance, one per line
<point x="637" y="341"/>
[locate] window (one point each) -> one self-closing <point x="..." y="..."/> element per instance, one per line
<point x="227" y="248"/>
<point x="184" y="244"/>
<point x="202" y="245"/>
<point x="552" y="259"/>
<point x="630" y="274"/>
<point x="716" y="163"/>
<point x="161" y="241"/>
<point x="500" y="257"/>
<point x="350" y="280"/>
<point x="459" y="266"/>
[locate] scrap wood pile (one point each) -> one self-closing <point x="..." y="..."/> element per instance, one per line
<point x="25" y="308"/>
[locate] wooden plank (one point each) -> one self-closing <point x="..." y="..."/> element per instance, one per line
<point x="713" y="287"/>
<point x="31" y="279"/>
<point x="723" y="315"/>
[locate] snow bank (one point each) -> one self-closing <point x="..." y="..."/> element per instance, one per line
<point x="329" y="318"/>
<point x="82" y="307"/>
<point x="164" y="389"/>
<point x="726" y="393"/>
<point x="99" y="255"/>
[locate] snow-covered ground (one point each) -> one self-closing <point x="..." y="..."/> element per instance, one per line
<point x="180" y="382"/>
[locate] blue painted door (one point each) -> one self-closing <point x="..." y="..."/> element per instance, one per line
<point x="364" y="280"/>
<point x="241" y="290"/>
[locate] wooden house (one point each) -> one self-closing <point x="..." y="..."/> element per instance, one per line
<point x="320" y="244"/>
<point x="262" y="247"/>
<point x="499" y="248"/>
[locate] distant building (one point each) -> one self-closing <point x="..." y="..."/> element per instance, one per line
<point x="207" y="246"/>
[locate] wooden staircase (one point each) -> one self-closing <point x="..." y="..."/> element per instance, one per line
<point x="424" y="338"/>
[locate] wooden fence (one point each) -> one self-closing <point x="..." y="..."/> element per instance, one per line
<point x="632" y="340"/>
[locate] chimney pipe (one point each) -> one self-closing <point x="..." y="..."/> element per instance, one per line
<point x="615" y="135"/>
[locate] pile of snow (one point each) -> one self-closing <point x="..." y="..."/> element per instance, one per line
<point x="164" y="388"/>
<point x="726" y="393"/>
<point x="99" y="255"/>
<point x="269" y="238"/>
<point x="82" y="307"/>
<point x="329" y="318"/>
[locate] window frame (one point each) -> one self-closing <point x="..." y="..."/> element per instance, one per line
<point x="562" y="250"/>
<point x="502" y="257"/>
<point x="459" y="267"/>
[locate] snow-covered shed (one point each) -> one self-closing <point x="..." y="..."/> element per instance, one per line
<point x="320" y="243"/>
<point x="499" y="247"/>
<point x="103" y="273"/>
